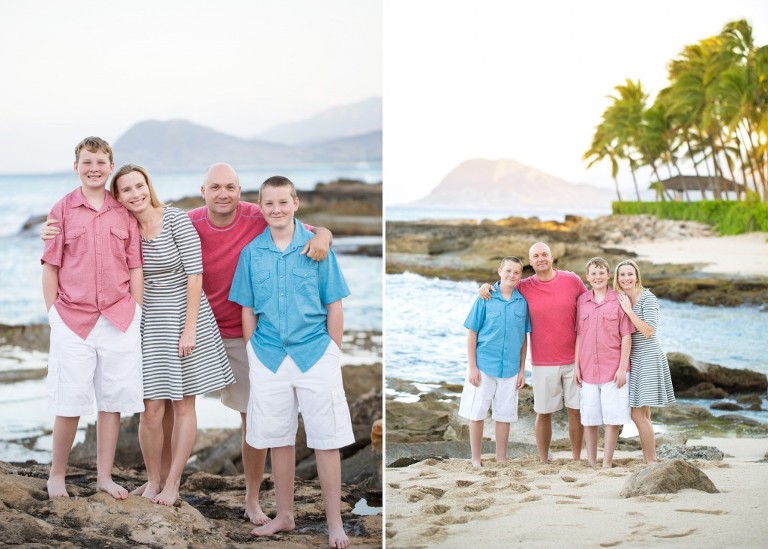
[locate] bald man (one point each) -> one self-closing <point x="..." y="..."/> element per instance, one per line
<point x="551" y="295"/>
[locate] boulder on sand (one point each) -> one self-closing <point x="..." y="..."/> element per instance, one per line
<point x="667" y="477"/>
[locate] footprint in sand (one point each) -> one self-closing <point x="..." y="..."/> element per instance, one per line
<point x="464" y="483"/>
<point x="479" y="505"/>
<point x="528" y="499"/>
<point x="569" y="496"/>
<point x="543" y="486"/>
<point x="568" y="479"/>
<point x="434" y="530"/>
<point x="675" y="535"/>
<point x="447" y="520"/>
<point x="426" y="475"/>
<point x="423" y="491"/>
<point x="394" y="485"/>
<point x="566" y="502"/>
<point x="655" y="497"/>
<point x="589" y="508"/>
<point x="610" y="543"/>
<point x="702" y="511"/>
<point x="488" y="473"/>
<point x="581" y="484"/>
<point x="438" y="509"/>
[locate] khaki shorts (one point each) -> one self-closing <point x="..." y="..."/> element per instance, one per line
<point x="604" y="403"/>
<point x="553" y="385"/>
<point x="235" y="396"/>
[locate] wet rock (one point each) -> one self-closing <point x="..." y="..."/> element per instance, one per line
<point x="708" y="453"/>
<point x="735" y="380"/>
<point x="398" y="454"/>
<point x="667" y="477"/>
<point x="728" y="406"/>
<point x="703" y="390"/>
<point x="693" y="379"/>
<point x="679" y="414"/>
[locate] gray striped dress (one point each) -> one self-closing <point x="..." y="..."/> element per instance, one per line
<point x="649" y="383"/>
<point x="168" y="260"/>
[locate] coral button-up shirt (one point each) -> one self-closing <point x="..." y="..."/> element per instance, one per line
<point x="94" y="253"/>
<point x="600" y="328"/>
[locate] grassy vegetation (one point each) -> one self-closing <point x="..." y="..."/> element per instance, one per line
<point x="727" y="217"/>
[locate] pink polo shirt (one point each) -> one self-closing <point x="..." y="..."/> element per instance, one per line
<point x="600" y="328"/>
<point x="221" y="247"/>
<point x="94" y="253"/>
<point x="552" y="306"/>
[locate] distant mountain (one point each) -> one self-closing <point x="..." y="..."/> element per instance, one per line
<point x="339" y="122"/>
<point x="180" y="145"/>
<point x="499" y="184"/>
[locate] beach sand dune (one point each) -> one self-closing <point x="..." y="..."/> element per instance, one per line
<point x="522" y="502"/>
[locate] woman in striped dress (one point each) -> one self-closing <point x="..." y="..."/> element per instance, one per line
<point x="650" y="383"/>
<point x="182" y="352"/>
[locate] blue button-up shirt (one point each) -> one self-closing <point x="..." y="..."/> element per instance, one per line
<point x="288" y="293"/>
<point x="501" y="326"/>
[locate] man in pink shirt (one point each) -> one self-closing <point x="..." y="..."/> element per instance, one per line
<point x="603" y="343"/>
<point x="551" y="295"/>
<point x="92" y="286"/>
<point x="226" y="225"/>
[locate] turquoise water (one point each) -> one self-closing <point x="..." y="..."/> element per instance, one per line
<point x="426" y="339"/>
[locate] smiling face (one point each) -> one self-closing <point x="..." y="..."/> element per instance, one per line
<point x="133" y="192"/>
<point x="278" y="206"/>
<point x="221" y="192"/>
<point x="598" y="277"/>
<point x="540" y="258"/>
<point x="510" y="273"/>
<point x="93" y="168"/>
<point x="626" y="277"/>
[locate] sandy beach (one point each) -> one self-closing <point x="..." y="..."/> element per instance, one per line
<point x="744" y="254"/>
<point x="522" y="502"/>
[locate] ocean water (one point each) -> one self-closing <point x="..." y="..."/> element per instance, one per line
<point x="24" y="418"/>
<point x="426" y="339"/>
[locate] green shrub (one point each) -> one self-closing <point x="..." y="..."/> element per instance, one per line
<point x="727" y="217"/>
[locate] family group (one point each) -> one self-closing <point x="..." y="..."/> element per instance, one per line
<point x="150" y="307"/>
<point x="595" y="352"/>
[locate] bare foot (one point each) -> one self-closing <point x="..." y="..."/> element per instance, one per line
<point x="151" y="491"/>
<point x="110" y="487"/>
<point x="140" y="490"/>
<point x="57" y="488"/>
<point x="277" y="524"/>
<point x="337" y="538"/>
<point x="476" y="464"/>
<point x="168" y="496"/>
<point x="254" y="513"/>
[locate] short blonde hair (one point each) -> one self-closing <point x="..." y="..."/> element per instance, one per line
<point x="278" y="181"/>
<point x="125" y="170"/>
<point x="93" y="144"/>
<point x="511" y="258"/>
<point x="638" y="283"/>
<point x="598" y="262"/>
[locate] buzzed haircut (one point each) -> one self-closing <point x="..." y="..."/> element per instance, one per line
<point x="94" y="144"/>
<point x="598" y="262"/>
<point x="278" y="181"/>
<point x="511" y="258"/>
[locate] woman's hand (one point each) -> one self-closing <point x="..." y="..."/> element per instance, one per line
<point x="48" y="231"/>
<point x="625" y="302"/>
<point x="187" y="342"/>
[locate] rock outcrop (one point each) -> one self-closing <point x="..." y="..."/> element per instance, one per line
<point x="667" y="477"/>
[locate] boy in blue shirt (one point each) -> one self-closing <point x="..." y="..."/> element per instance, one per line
<point x="497" y="347"/>
<point x="293" y="325"/>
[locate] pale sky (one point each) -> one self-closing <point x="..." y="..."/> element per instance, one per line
<point x="75" y="68"/>
<point x="524" y="80"/>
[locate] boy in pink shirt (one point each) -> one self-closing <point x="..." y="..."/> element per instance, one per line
<point x="603" y="343"/>
<point x="92" y="286"/>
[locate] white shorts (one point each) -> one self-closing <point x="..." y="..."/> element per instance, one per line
<point x="107" y="363"/>
<point x="603" y="403"/>
<point x="497" y="393"/>
<point x="277" y="397"/>
<point x="554" y="386"/>
<point x="235" y="396"/>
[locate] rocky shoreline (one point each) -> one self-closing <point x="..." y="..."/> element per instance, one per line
<point x="422" y="419"/>
<point x="470" y="250"/>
